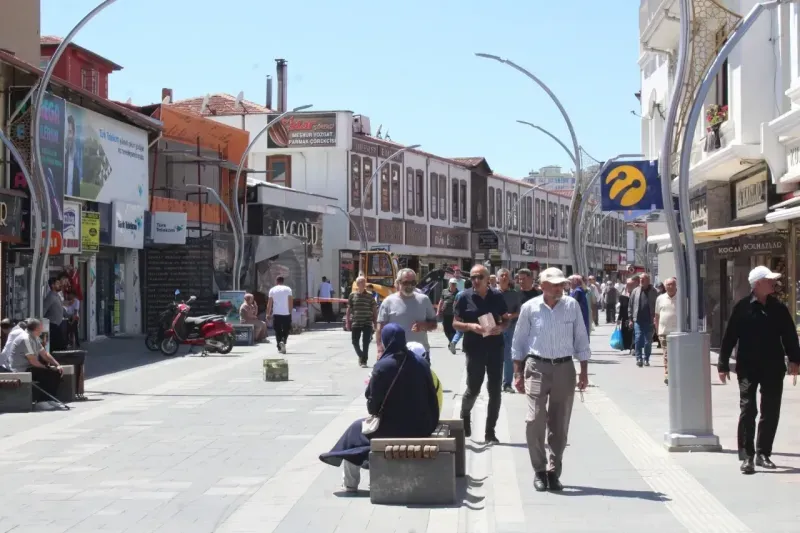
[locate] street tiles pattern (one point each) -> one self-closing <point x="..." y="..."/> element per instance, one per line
<point x="205" y="445"/>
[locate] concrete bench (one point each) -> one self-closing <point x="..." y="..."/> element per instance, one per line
<point x="67" y="389"/>
<point x="412" y="471"/>
<point x="16" y="392"/>
<point x="455" y="429"/>
<point x="245" y="334"/>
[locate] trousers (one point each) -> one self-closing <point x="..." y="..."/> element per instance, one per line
<point x="643" y="340"/>
<point x="447" y="326"/>
<point x="480" y="363"/>
<point x="508" y="363"/>
<point x="47" y="379"/>
<point x="361" y="337"/>
<point x="771" y="394"/>
<point x="282" y="324"/>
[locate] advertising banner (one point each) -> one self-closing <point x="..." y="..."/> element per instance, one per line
<point x="302" y="131"/>
<point x="104" y="158"/>
<point x="90" y="231"/>
<point x="128" y="225"/>
<point x="168" y="228"/>
<point x="71" y="241"/>
<point x="51" y="137"/>
<point x="631" y="185"/>
<point x="11" y="220"/>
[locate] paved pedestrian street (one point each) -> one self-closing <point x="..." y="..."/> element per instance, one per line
<point x="205" y="445"/>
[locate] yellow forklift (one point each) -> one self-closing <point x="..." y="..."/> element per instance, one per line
<point x="380" y="268"/>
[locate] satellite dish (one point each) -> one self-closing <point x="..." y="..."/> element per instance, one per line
<point x="239" y="98"/>
<point x="204" y="106"/>
<point x="166" y="100"/>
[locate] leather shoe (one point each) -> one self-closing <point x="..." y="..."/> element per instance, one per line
<point x="491" y="438"/>
<point x="553" y="482"/>
<point x="540" y="481"/>
<point x="747" y="466"/>
<point x="764" y="461"/>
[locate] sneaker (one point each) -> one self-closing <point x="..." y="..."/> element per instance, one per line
<point x="452" y="347"/>
<point x="491" y="438"/>
<point x="647" y="363"/>
<point x="350" y="490"/>
<point x="639" y="363"/>
<point x="509" y="389"/>
<point x="281" y="347"/>
<point x="363" y="364"/>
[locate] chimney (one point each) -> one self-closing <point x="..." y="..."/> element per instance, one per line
<point x="282" y="81"/>
<point x="269" y="91"/>
<point x="165" y="92"/>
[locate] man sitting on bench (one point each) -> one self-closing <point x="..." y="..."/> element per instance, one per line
<point x="25" y="353"/>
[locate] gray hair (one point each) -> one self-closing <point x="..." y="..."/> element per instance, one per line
<point x="361" y="278"/>
<point x="403" y="272"/>
<point x="502" y="271"/>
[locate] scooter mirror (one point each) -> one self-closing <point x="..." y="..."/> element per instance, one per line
<point x="191" y="299"/>
<point x="177" y="292"/>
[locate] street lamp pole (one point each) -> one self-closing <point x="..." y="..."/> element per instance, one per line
<point x="576" y="195"/>
<point x="556" y="139"/>
<point x="238" y="259"/>
<point x="227" y="210"/>
<point x="40" y="269"/>
<point x="365" y="242"/>
<point x="350" y="219"/>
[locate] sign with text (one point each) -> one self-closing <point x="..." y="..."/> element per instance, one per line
<point x="487" y="240"/>
<point x="390" y="231"/>
<point x="377" y="150"/>
<point x="527" y="246"/>
<point x="303" y="130"/>
<point x="11" y="206"/>
<point x="128" y="225"/>
<point x="449" y="238"/>
<point x="90" y="231"/>
<point x="631" y="185"/>
<point x="71" y="232"/>
<point x="751" y="196"/>
<point x="416" y="234"/>
<point x="168" y="228"/>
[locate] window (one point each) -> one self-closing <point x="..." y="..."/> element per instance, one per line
<point x="90" y="80"/>
<point x="410" y="191"/>
<point x="553" y="220"/>
<point x="385" y="203"/>
<point x="366" y="164"/>
<point x="279" y="170"/>
<point x="722" y="78"/>
<point x="420" y="193"/>
<point x="499" y="207"/>
<point x="529" y="210"/>
<point x="434" y="195"/>
<point x="509" y="206"/>
<point x="355" y="180"/>
<point x="491" y="206"/>
<point x="462" y="198"/>
<point x="454" y="199"/>
<point x="536" y="215"/>
<point x="442" y="197"/>
<point x="515" y="210"/>
<point x="395" y="183"/>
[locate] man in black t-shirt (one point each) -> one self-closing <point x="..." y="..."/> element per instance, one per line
<point x="526" y="285"/>
<point x="483" y="348"/>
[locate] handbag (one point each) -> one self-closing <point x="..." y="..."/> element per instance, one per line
<point x="616" y="340"/>
<point x="370" y="424"/>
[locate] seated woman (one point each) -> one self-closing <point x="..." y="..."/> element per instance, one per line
<point x="248" y="314"/>
<point x="402" y="393"/>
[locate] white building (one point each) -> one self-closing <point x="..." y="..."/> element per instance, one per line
<point x="551" y="178"/>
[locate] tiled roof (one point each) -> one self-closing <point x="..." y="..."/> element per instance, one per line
<point x="52" y="40"/>
<point x="469" y="161"/>
<point x="220" y="104"/>
<point x="387" y="142"/>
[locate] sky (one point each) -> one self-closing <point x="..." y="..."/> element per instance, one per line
<point x="409" y="66"/>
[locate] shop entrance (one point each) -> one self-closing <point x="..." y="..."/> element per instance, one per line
<point x="105" y="295"/>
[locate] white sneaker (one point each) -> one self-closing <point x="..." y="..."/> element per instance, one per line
<point x="281" y="347"/>
<point x="452" y="348"/>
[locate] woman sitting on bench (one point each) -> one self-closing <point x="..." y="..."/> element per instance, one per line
<point x="401" y="393"/>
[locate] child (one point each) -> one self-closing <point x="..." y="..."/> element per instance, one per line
<point x="419" y="350"/>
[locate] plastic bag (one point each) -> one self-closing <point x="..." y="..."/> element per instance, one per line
<point x="616" y="340"/>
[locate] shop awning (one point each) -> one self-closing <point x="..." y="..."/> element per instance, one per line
<point x="780" y="215"/>
<point x="720" y="234"/>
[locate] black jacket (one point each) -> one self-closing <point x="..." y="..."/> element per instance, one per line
<point x="765" y="335"/>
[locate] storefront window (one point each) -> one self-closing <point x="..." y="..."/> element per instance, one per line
<point x="462" y="198"/>
<point x="454" y="199"/>
<point x="367" y="174"/>
<point x="442" y="197"/>
<point x="385" y="205"/>
<point x="420" y="196"/>
<point x="434" y="195"/>
<point x="395" y="188"/>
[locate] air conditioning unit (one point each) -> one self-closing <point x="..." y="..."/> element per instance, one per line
<point x="361" y="125"/>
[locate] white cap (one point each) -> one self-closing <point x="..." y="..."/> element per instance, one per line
<point x="762" y="272"/>
<point x="552" y="275"/>
<point x="416" y="348"/>
<point x="453" y="281"/>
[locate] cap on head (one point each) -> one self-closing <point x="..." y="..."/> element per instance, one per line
<point x="761" y="272"/>
<point x="453" y="281"/>
<point x="416" y="348"/>
<point x="552" y="275"/>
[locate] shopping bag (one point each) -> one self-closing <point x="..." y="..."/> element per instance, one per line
<point x="616" y="340"/>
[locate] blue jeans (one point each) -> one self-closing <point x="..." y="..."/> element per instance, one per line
<point x="508" y="363"/>
<point x="643" y="335"/>
<point x="457" y="337"/>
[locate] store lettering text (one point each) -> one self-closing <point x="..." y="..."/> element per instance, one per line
<point x="302" y="230"/>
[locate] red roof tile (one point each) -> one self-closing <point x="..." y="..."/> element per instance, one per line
<point x="220" y="104"/>
<point x="469" y="161"/>
<point x="52" y="40"/>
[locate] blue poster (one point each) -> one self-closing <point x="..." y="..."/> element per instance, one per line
<point x="631" y="185"/>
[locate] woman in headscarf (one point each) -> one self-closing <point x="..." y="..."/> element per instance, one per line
<point x="401" y="393"/>
<point x="623" y="320"/>
<point x="248" y="314"/>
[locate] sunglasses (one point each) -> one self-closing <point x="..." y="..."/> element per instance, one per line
<point x="408" y="283"/>
<point x="479" y="277"/>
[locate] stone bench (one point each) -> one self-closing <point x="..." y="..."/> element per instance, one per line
<point x="16" y="392"/>
<point x="455" y="429"/>
<point x="276" y="370"/>
<point x="245" y="334"/>
<point x="413" y="471"/>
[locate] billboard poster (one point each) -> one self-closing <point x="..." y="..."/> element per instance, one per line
<point x="71" y="241"/>
<point x="105" y="159"/>
<point x="303" y="130"/>
<point x="90" y="231"/>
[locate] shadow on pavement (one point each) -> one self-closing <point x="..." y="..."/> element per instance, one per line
<point x="112" y="393"/>
<point x="577" y="490"/>
<point x="110" y="355"/>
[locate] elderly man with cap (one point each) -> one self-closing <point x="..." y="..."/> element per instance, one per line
<point x="763" y="332"/>
<point x="550" y="332"/>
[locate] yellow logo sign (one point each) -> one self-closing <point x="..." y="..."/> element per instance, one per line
<point x="628" y="183"/>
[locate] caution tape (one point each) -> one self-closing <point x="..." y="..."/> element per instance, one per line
<point x="326" y="300"/>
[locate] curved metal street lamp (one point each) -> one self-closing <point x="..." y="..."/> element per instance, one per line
<point x="556" y="139"/>
<point x="238" y="260"/>
<point x="361" y="236"/>
<point x="225" y="208"/>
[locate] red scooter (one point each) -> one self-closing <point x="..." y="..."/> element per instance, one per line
<point x="210" y="331"/>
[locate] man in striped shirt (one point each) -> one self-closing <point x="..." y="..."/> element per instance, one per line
<point x="362" y="313"/>
<point x="550" y="332"/>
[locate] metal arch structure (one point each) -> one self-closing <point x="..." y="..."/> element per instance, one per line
<point x="350" y="220"/>
<point x="556" y="139"/>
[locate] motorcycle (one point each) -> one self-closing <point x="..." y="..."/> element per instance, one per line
<point x="209" y="331"/>
<point x="154" y="337"/>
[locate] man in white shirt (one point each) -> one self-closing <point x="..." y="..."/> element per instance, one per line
<point x="666" y="318"/>
<point x="550" y="332"/>
<point x="326" y="291"/>
<point x="595" y="300"/>
<point x="279" y="309"/>
<point x="16" y="331"/>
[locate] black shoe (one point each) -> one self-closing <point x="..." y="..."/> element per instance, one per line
<point x="467" y="425"/>
<point x="666" y="381"/>
<point x="764" y="461"/>
<point x="491" y="438"/>
<point x="553" y="482"/>
<point x="508" y="388"/>
<point x="747" y="466"/>
<point x="647" y="363"/>
<point x="540" y="481"/>
<point x="639" y="363"/>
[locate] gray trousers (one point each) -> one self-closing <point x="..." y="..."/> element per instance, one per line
<point x="556" y="383"/>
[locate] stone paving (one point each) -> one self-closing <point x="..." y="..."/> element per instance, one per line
<point x="205" y="445"/>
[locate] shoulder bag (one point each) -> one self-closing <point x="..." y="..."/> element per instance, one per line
<point x="370" y="424"/>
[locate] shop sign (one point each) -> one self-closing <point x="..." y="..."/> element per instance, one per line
<point x="303" y="130"/>
<point x="623" y="259"/>
<point x="751" y="196"/>
<point x="698" y="212"/>
<point x="354" y="233"/>
<point x="381" y="248"/>
<point x="793" y="159"/>
<point x="71" y="231"/>
<point x="449" y="238"/>
<point x="751" y="246"/>
<point x="416" y="234"/>
<point x="90" y="231"/>
<point x="390" y="231"/>
<point x="552" y="250"/>
<point x="168" y="228"/>
<point x="304" y="225"/>
<point x="527" y="246"/>
<point x="11" y="218"/>
<point x="488" y="240"/>
<point x="127" y="223"/>
<point x="376" y="150"/>
<point x="608" y="267"/>
<point x="541" y="248"/>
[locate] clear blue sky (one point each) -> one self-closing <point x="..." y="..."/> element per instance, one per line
<point x="407" y="65"/>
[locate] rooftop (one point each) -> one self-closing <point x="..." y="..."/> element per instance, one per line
<point x="221" y="104"/>
<point x="53" y="41"/>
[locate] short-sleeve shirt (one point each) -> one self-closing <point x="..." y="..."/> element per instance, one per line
<point x="20" y="348"/>
<point x="362" y="309"/>
<point x="513" y="300"/>
<point x="469" y="307"/>
<point x="667" y="315"/>
<point x="405" y="311"/>
<point x="530" y="295"/>
<point x="449" y="299"/>
<point x="280" y="299"/>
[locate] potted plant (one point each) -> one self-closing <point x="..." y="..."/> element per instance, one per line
<point x="715" y="116"/>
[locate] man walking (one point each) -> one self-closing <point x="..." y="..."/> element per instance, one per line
<point x="666" y="319"/>
<point x="279" y="309"/>
<point x="550" y="332"/>
<point x="361" y="318"/>
<point x="595" y="299"/>
<point x="483" y="345"/>
<point x="526" y="285"/>
<point x="445" y="309"/>
<point x="642" y="310"/>
<point x="578" y="294"/>
<point x="411" y="310"/>
<point x="513" y="304"/>
<point x="762" y="330"/>
<point x="326" y="291"/>
<point x="610" y="297"/>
